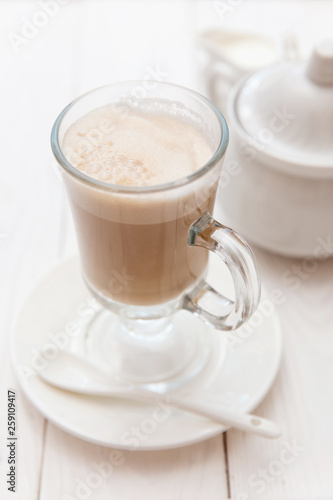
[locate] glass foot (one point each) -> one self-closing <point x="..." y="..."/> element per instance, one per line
<point x="169" y="353"/>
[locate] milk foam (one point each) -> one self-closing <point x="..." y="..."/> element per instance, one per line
<point x="132" y="148"/>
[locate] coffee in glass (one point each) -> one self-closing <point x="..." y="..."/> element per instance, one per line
<point x="142" y="174"/>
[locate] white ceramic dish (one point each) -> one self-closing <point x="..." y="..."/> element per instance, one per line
<point x="279" y="193"/>
<point x="238" y="377"/>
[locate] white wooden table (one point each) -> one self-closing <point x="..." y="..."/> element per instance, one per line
<point x="78" y="46"/>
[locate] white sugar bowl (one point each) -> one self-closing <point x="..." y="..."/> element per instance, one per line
<point x="277" y="185"/>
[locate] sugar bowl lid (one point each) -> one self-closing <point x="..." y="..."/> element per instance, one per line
<point x="286" y="113"/>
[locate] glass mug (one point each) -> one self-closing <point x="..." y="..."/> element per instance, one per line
<point x="144" y="249"/>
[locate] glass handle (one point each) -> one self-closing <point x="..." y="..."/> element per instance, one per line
<point x="215" y="309"/>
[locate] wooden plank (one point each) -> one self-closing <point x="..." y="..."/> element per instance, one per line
<point x="297" y="465"/>
<point x="114" y="42"/>
<point x="73" y="468"/>
<point x="32" y="91"/>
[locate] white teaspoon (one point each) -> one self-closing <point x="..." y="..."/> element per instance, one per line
<point x="73" y="373"/>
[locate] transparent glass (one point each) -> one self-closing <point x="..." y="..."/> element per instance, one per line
<point x="144" y="250"/>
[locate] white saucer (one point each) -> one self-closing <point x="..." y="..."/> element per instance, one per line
<point x="238" y="377"/>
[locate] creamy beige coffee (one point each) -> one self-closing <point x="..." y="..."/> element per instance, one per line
<point x="134" y="245"/>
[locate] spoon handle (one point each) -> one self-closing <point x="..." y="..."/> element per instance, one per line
<point x="79" y="384"/>
<point x="242" y="421"/>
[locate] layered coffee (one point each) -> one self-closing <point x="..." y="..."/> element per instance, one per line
<point x="133" y="242"/>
